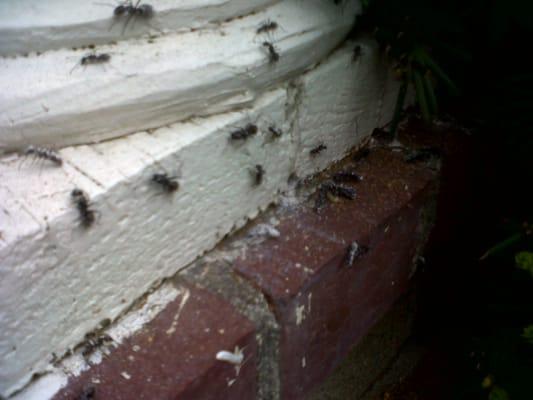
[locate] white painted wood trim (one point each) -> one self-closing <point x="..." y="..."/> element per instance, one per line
<point x="151" y="83"/>
<point x="36" y="26"/>
<point x="59" y="280"/>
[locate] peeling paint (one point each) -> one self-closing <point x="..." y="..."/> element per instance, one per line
<point x="300" y="314"/>
<point x="184" y="300"/>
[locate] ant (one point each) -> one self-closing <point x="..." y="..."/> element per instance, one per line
<point x="340" y="191"/>
<point x="169" y="184"/>
<point x="361" y="155"/>
<point x="93" y="342"/>
<point x="318" y="149"/>
<point x="332" y="189"/>
<point x="355" y="251"/>
<point x="267" y="26"/>
<point x="423" y="154"/>
<point x="93" y="59"/>
<point x="273" y="55"/>
<point x="44" y="153"/>
<point x="244" y="133"/>
<point x="346" y="176"/>
<point x="87" y="393"/>
<point x="127" y="8"/>
<point x="81" y="201"/>
<point x="321" y="199"/>
<point x="258" y="174"/>
<point x="275" y="131"/>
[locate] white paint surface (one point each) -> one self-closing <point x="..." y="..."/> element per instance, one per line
<point x="58" y="280"/>
<point x="63" y="279"/>
<point x="47" y="386"/>
<point x="148" y="85"/>
<point x="30" y="25"/>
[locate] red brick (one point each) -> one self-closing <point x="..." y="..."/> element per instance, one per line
<point x="181" y="364"/>
<point x="306" y="266"/>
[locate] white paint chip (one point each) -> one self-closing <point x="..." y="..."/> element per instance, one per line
<point x="236" y="357"/>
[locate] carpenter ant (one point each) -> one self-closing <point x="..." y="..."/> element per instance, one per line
<point x="423" y="154"/>
<point x="382" y="135"/>
<point x="346" y="176"/>
<point x="93" y="342"/>
<point x="44" y="154"/>
<point x="258" y="174"/>
<point x="169" y="184"/>
<point x="267" y="26"/>
<point x="87" y="215"/>
<point x="362" y="154"/>
<point x="355" y="251"/>
<point x="145" y="11"/>
<point x="341" y="191"/>
<point x="321" y="199"/>
<point x="332" y="189"/>
<point x="357" y="52"/>
<point x="244" y="133"/>
<point x="87" y="393"/>
<point x="275" y="131"/>
<point x="318" y="149"/>
<point x="93" y="59"/>
<point x="273" y="55"/>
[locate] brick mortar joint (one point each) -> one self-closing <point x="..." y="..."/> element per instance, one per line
<point x="219" y="278"/>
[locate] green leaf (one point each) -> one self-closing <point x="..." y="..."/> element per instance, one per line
<point x="398" y="109"/>
<point x="524" y="260"/>
<point x="426" y="60"/>
<point x="421" y="96"/>
<point x="432" y="100"/>
<point x="502" y="245"/>
<point x="498" y="393"/>
<point x="528" y="334"/>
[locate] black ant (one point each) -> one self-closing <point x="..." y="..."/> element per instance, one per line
<point x="81" y="201"/>
<point x="267" y="26"/>
<point x="341" y="191"/>
<point x="321" y="199"/>
<point x="318" y="149"/>
<point x="258" y="174"/>
<point x="346" y="176"/>
<point x="88" y="393"/>
<point x="355" y="251"/>
<point x="273" y="55"/>
<point x="357" y="52"/>
<point x="93" y="342"/>
<point x="93" y="59"/>
<point x="44" y="153"/>
<point x="332" y="189"/>
<point x="244" y="132"/>
<point x="169" y="184"/>
<point x="275" y="131"/>
<point x="127" y="8"/>
<point x="361" y="155"/>
<point x="423" y="154"/>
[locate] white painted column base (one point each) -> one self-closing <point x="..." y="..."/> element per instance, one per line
<point x="58" y="280"/>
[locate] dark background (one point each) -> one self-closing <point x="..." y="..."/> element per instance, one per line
<point x="472" y="313"/>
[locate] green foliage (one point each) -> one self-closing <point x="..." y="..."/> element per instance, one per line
<point x="502" y="246"/>
<point x="407" y="32"/>
<point x="528" y="334"/>
<point x="524" y="260"/>
<point x="472" y="48"/>
<point x="498" y="393"/>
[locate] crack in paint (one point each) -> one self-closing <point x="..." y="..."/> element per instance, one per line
<point x="174" y="323"/>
